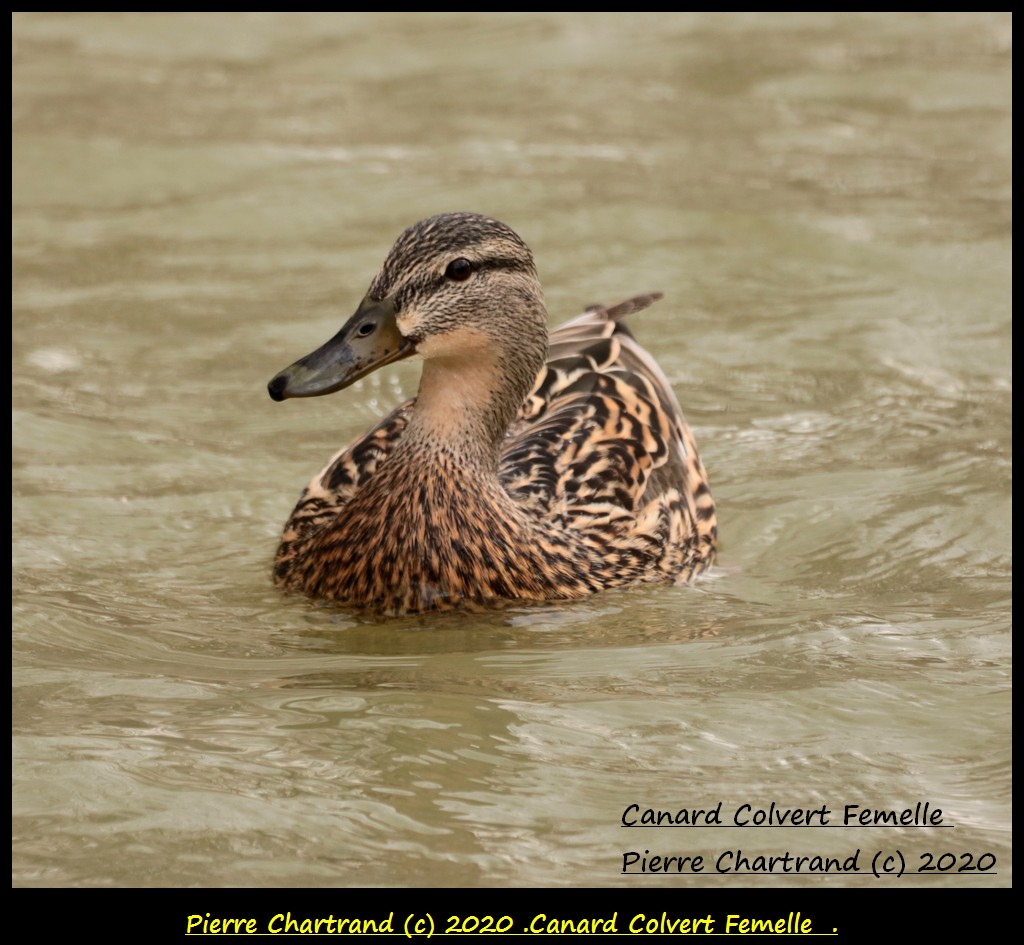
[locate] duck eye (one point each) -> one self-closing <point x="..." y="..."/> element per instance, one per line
<point x="459" y="269"/>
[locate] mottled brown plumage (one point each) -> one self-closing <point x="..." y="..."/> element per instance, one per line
<point x="528" y="467"/>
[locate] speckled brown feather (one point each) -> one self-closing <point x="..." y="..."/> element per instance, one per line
<point x="598" y="483"/>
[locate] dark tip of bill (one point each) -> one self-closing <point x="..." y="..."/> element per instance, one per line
<point x="276" y="388"/>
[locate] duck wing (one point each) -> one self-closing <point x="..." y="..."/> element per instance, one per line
<point x="600" y="446"/>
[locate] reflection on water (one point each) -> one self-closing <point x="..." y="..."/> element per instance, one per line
<point x="200" y="198"/>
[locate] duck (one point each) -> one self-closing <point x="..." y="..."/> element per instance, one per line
<point x="532" y="466"/>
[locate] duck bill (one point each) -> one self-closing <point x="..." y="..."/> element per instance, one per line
<point x="369" y="340"/>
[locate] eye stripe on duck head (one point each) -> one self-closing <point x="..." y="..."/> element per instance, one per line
<point x="423" y="284"/>
<point x="423" y="253"/>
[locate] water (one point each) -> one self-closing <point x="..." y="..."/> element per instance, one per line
<point x="199" y="199"/>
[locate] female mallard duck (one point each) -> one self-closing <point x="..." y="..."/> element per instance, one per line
<point x="528" y="467"/>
